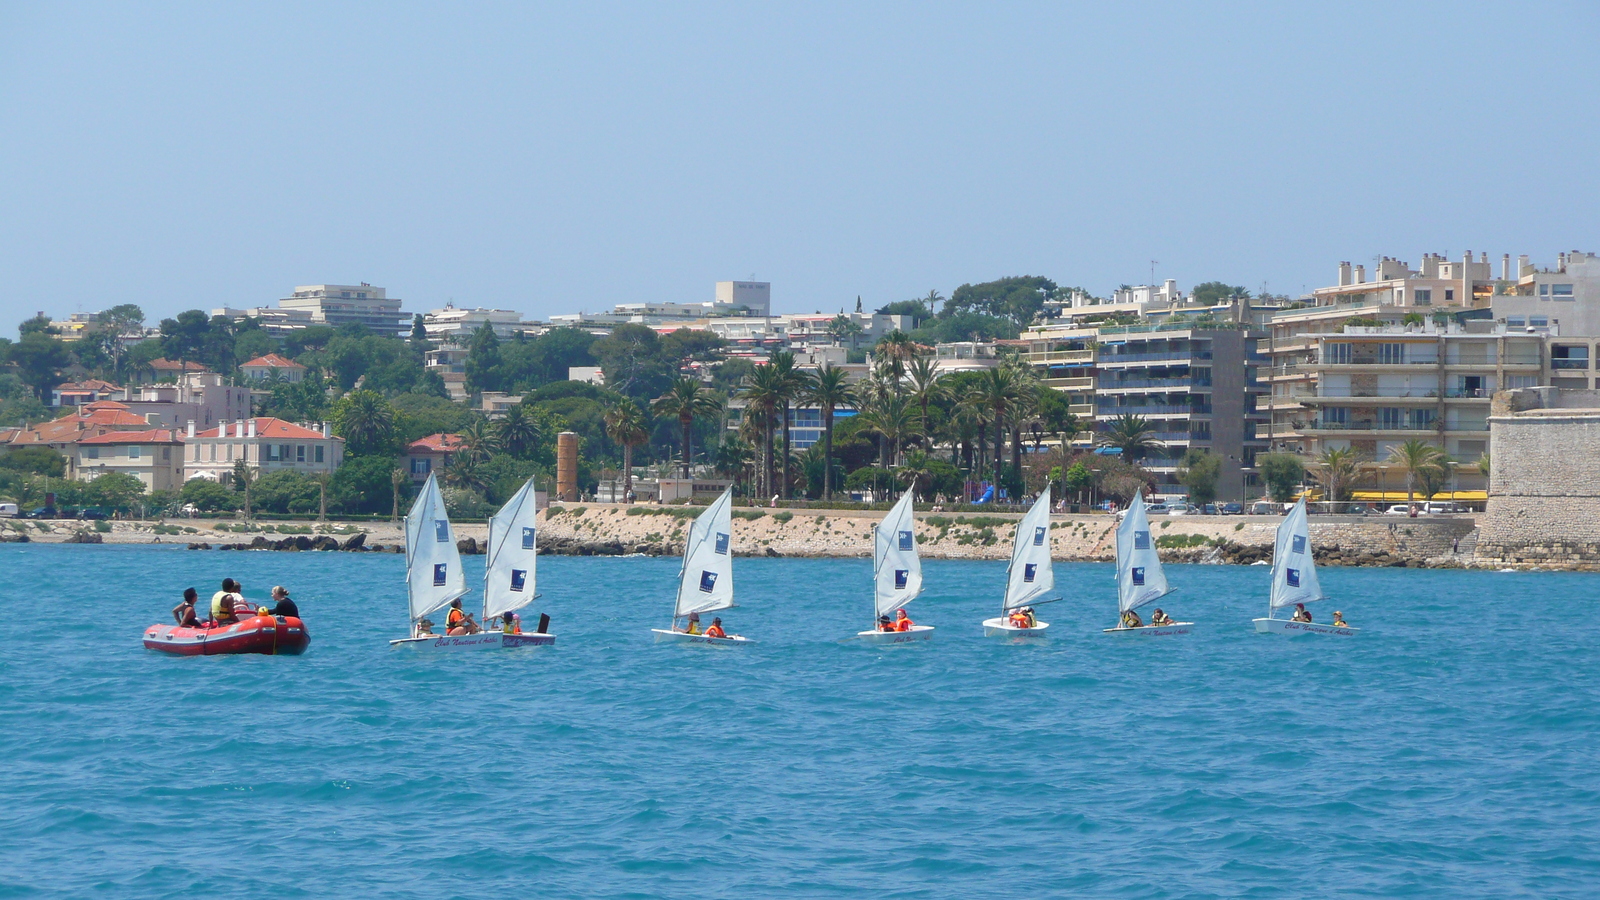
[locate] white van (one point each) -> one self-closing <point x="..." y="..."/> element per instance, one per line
<point x="8" y="510"/>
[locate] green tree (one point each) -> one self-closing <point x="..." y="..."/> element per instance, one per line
<point x="419" y="335"/>
<point x="186" y="337"/>
<point x="367" y="423"/>
<point x="1019" y="299"/>
<point x="996" y="391"/>
<point x="792" y="385"/>
<point x="628" y="426"/>
<point x="39" y="359"/>
<point x="115" y="491"/>
<point x="920" y="309"/>
<point x="686" y="401"/>
<point x="687" y="344"/>
<point x="34" y="461"/>
<point x="518" y="431"/>
<point x="1133" y="435"/>
<point x="1283" y="473"/>
<point x="632" y="361"/>
<point x="830" y="390"/>
<point x="207" y="495"/>
<point x="1077" y="478"/>
<point x="1415" y="457"/>
<point x="1199" y="472"/>
<point x="1211" y="293"/>
<point x="362" y="484"/>
<point x="1337" y="471"/>
<point x="484" y="371"/>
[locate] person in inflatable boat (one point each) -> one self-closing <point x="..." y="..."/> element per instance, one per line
<point x="184" y="613"/>
<point x="222" y="603"/>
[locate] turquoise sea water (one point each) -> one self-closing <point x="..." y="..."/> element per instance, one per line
<point x="1448" y="751"/>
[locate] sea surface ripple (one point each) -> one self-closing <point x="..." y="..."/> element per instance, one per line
<point x="1447" y="751"/>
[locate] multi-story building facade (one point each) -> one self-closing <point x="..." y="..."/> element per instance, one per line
<point x="451" y="364"/>
<point x="1197" y="389"/>
<point x="348" y="304"/>
<point x="271" y="368"/>
<point x="268" y="444"/>
<point x="456" y="326"/>
<point x="203" y="398"/>
<point x="155" y="457"/>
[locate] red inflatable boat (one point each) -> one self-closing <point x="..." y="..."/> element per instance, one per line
<point x="254" y="634"/>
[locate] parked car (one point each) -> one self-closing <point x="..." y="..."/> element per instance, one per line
<point x="1402" y="509"/>
<point x="91" y="512"/>
<point x="1180" y="509"/>
<point x="43" y="512"/>
<point x="1434" y="508"/>
<point x="1157" y="508"/>
<point x="8" y="510"/>
<point x="1231" y="509"/>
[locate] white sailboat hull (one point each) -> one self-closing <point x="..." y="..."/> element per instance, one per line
<point x="663" y="636"/>
<point x="1153" y="630"/>
<point x="1001" y="627"/>
<point x="916" y="634"/>
<point x="488" y="640"/>
<point x="1291" y="627"/>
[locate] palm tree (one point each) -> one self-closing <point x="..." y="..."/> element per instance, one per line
<point x="896" y="348"/>
<point x="925" y="387"/>
<point x="996" y="391"/>
<point x="686" y="400"/>
<point x="829" y="390"/>
<point x="518" y="432"/>
<point x="478" y="442"/>
<point x="762" y="393"/>
<point x="891" y="416"/>
<point x="1415" y="456"/>
<point x="244" y="475"/>
<point x="733" y="457"/>
<point x="629" y="426"/>
<point x="365" y="420"/>
<point x="466" y="472"/>
<point x="1339" y="469"/>
<point x="1131" y="434"/>
<point x="322" y="479"/>
<point x="916" y="470"/>
<point x="791" y="384"/>
<point x="397" y="480"/>
<point x="842" y="326"/>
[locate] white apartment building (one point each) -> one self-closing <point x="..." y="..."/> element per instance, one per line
<point x="349" y="304"/>
<point x="265" y="443"/>
<point x="456" y="326"/>
<point x="755" y="296"/>
<point x="451" y="364"/>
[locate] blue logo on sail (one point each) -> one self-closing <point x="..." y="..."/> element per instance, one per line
<point x="1138" y="574"/>
<point x="519" y="579"/>
<point x="722" y="543"/>
<point x="1292" y="576"/>
<point x="1028" y="572"/>
<point x="1141" y="540"/>
<point x="441" y="530"/>
<point x="1038" y="536"/>
<point x="905" y="540"/>
<point x="440" y="570"/>
<point x="1299" y="544"/>
<point x="900" y="576"/>
<point x="527" y="538"/>
<point x="708" y="581"/>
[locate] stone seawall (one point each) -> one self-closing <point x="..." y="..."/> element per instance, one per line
<point x="597" y="529"/>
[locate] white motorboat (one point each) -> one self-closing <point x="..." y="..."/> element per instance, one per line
<point x="896" y="574"/>
<point x="1294" y="579"/>
<point x="1140" y="578"/>
<point x="1030" y="579"/>
<point x="705" y="583"/>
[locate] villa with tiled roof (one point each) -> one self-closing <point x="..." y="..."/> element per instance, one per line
<point x="265" y="443"/>
<point x="272" y="367"/>
<point x="430" y="454"/>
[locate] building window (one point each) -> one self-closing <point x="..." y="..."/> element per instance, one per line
<point x="1336" y="415"/>
<point x="1561" y="292"/>
<point x="300" y="453"/>
<point x="421" y="466"/>
<point x="91" y="452"/>
<point x="228" y="453"/>
<point x="1449" y="295"/>
<point x="1424" y="296"/>
<point x="213" y="453"/>
<point x="319" y="453"/>
<point x="133" y="452"/>
<point x="1338" y="354"/>
<point x="1516" y="321"/>
<point x="1539" y="321"/>
<point x="1392" y="417"/>
<point x="1565" y="356"/>
<point x="283" y="452"/>
<point x="166" y="454"/>
<point x="1422" y="418"/>
<point x="1391" y="354"/>
<point x="1521" y="381"/>
<point x="1544" y="292"/>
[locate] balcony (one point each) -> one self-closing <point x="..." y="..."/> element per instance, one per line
<point x="1110" y="412"/>
<point x="1569" y="364"/>
<point x="1060" y="357"/>
<point x="1177" y="356"/>
<point x="1125" y="384"/>
<point x="1085" y="383"/>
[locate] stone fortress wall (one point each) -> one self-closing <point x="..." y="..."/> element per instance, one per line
<point x="1544" y="480"/>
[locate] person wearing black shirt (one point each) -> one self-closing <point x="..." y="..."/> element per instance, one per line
<point x="283" y="605"/>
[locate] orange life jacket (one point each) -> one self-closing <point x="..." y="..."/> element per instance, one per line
<point x="455" y="618"/>
<point x="903" y="624"/>
<point x="716" y="631"/>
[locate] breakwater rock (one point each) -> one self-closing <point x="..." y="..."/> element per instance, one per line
<point x="302" y="544"/>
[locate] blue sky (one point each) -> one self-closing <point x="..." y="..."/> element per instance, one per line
<point x="549" y="158"/>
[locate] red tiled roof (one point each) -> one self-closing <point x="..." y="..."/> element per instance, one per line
<point x="268" y="426"/>
<point x="272" y="360"/>
<point x="105" y="404"/>
<point x="88" y="384"/>
<point x="75" y="426"/>
<point x="172" y="365"/>
<point x="155" y="436"/>
<point x="438" y="443"/>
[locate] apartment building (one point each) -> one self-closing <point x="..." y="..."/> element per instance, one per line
<point x="200" y="397"/>
<point x="451" y="364"/>
<point x="1196" y="387"/>
<point x="336" y="305"/>
<point x="268" y="444"/>
<point x="456" y="326"/>
<point x="1064" y="357"/>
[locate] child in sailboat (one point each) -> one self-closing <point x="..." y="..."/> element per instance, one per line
<point x="693" y="626"/>
<point x="1300" y="613"/>
<point x="1160" y="618"/>
<point x="885" y="623"/>
<point x="1338" y="620"/>
<point x="902" y="622"/>
<point x="459" y="621"/>
<point x="511" y="623"/>
<point x="1130" y="619"/>
<point x="716" y="629"/>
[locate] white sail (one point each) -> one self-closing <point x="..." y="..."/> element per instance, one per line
<point x="896" y="568"/>
<point x="433" y="564"/>
<point x="1294" y="573"/>
<point x="1031" y="578"/>
<point x="1139" y="576"/>
<point x="706" y="580"/>
<point x="508" y="582"/>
